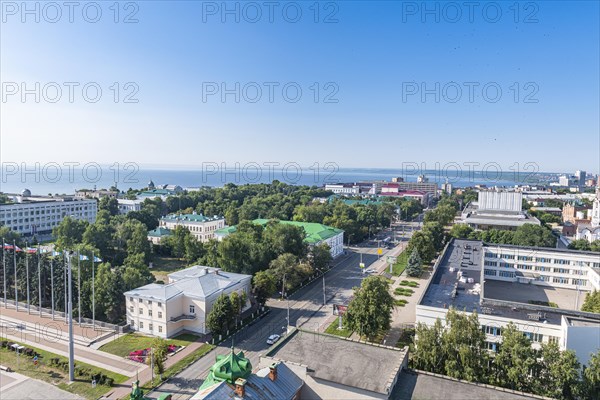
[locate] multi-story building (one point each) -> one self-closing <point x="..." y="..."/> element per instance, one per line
<point x="201" y="226"/>
<point x="497" y="210"/>
<point x="574" y="214"/>
<point x="32" y="215"/>
<point x="431" y="188"/>
<point x="343" y="188"/>
<point x="96" y="194"/>
<point x="126" y="205"/>
<point x="540" y="290"/>
<point x="393" y="189"/>
<point x="184" y="302"/>
<point x="591" y="231"/>
<point x="316" y="234"/>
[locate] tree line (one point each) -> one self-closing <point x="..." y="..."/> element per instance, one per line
<point x="458" y="349"/>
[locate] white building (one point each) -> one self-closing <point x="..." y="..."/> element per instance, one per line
<point x="126" y="206"/>
<point x="202" y="227"/>
<point x="343" y="188"/>
<point x="539" y="290"/>
<point x="184" y="302"/>
<point x="31" y="215"/>
<point x="591" y="232"/>
<point x="497" y="210"/>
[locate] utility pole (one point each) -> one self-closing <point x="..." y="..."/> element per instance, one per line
<point x="16" y="279"/>
<point x="93" y="293"/>
<point x="288" y="316"/>
<point x="27" y="276"/>
<point x="52" y="285"/>
<point x="324" y="298"/>
<point x="39" y="254"/>
<point x="79" y="286"/>
<point x="70" y="311"/>
<point x="66" y="262"/>
<point x="4" y="272"/>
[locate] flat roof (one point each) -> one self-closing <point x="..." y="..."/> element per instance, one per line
<point x="567" y="299"/>
<point x="446" y="289"/>
<point x="350" y="363"/>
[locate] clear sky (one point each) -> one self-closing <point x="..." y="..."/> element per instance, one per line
<point x="370" y="60"/>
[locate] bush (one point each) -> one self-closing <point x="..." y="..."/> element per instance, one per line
<point x="4" y="344"/>
<point x="109" y="382"/>
<point x="54" y="361"/>
<point x="400" y="302"/>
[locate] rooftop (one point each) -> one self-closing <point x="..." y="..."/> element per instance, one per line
<point x="159" y="232"/>
<point x="315" y="232"/>
<point x="202" y="282"/>
<point x="354" y="364"/>
<point x="190" y="218"/>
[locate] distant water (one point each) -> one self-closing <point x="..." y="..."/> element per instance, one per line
<point x="52" y="179"/>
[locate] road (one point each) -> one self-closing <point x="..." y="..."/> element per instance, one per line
<point x="306" y="310"/>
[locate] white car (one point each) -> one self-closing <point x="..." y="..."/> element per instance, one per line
<point x="272" y="339"/>
<point x="370" y="271"/>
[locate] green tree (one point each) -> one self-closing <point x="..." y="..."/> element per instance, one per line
<point x="110" y="302"/>
<point x="423" y="243"/>
<point x="413" y="267"/>
<point x="288" y="271"/>
<point x="514" y="361"/>
<point x="436" y="232"/>
<point x="264" y="285"/>
<point x="320" y="257"/>
<point x="220" y="316"/>
<point x="558" y="372"/>
<point x="109" y="204"/>
<point x="369" y="312"/>
<point x="159" y="355"/>
<point x="591" y="378"/>
<point x="461" y="231"/>
<point x="592" y="302"/>
<point x="69" y="232"/>
<point x="429" y="353"/>
<point x="534" y="235"/>
<point x="464" y="342"/>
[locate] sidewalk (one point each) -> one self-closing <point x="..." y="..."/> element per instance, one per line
<point x="123" y="390"/>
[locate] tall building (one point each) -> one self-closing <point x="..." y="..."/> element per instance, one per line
<point x="591" y="231"/>
<point x="581" y="178"/>
<point x="31" y="215"/>
<point x="200" y="226"/>
<point x="497" y="210"/>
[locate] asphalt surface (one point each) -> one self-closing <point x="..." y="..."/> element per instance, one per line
<point x="306" y="310"/>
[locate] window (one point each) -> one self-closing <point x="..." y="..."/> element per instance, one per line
<point x="525" y="258"/>
<point x="192" y="309"/>
<point x="141" y="311"/>
<point x="552" y="339"/>
<point x="160" y="329"/>
<point x="489" y="272"/>
<point x="149" y="302"/>
<point x="141" y="325"/>
<point x="543" y="269"/>
<point x="160" y="314"/>
<point x="562" y="271"/>
<point x="579" y="282"/>
<point x="506" y="274"/>
<point x="130" y="308"/>
<point x="131" y="299"/>
<point x="150" y="327"/>
<point x="149" y="313"/>
<point x="491" y="263"/>
<point x="560" y="280"/>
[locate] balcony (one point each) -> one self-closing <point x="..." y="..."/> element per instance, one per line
<point x="183" y="317"/>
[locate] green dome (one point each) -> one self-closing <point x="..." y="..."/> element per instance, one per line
<point x="228" y="368"/>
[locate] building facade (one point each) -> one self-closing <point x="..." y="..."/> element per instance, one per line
<point x="31" y="215"/>
<point x="183" y="303"/>
<point x="539" y="290"/>
<point x="591" y="232"/>
<point x="126" y="205"/>
<point x="202" y="227"/>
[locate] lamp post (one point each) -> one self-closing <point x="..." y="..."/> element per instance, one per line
<point x="70" y="311"/>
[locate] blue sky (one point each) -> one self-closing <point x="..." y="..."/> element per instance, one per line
<point x="371" y="57"/>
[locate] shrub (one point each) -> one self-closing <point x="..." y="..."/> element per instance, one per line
<point x="109" y="382"/>
<point x="4" y="344"/>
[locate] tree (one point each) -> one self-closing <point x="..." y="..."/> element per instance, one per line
<point x="369" y="312"/>
<point x="423" y="243"/>
<point x="429" y="354"/>
<point x="463" y="343"/>
<point x="320" y="256"/>
<point x="592" y="302"/>
<point x="413" y="267"/>
<point x="159" y="355"/>
<point x="558" y="372"/>
<point x="109" y="204"/>
<point x="514" y="361"/>
<point x="591" y="378"/>
<point x="264" y="285"/>
<point x="69" y="232"/>
<point x="534" y="235"/>
<point x="220" y="316"/>
<point x="286" y="270"/>
<point x="109" y="293"/>
<point x="436" y="232"/>
<point x="460" y="231"/>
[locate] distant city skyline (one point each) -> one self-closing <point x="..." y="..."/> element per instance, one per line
<point x="368" y="85"/>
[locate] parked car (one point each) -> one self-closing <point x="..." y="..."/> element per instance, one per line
<point x="273" y="339"/>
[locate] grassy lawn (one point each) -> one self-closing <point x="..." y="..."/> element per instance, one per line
<point x="401" y="263"/>
<point x="56" y="376"/>
<point x="133" y="341"/>
<point x="333" y="330"/>
<point x="162" y="266"/>
<point x="179" y="366"/>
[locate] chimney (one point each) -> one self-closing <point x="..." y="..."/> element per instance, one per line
<point x="240" y="387"/>
<point x="273" y="372"/>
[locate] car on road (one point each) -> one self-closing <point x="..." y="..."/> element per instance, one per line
<point x="272" y="339"/>
<point x="370" y="271"/>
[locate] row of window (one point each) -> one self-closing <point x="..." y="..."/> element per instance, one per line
<point x="141" y="312"/>
<point x="534" y="337"/>
<point x="559" y="261"/>
<point x="141" y="301"/>
<point x="150" y="326"/>
<point x="54" y="210"/>
<point x="566" y="271"/>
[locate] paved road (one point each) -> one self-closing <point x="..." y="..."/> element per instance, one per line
<point x="306" y="310"/>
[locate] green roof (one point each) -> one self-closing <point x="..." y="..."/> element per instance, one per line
<point x="228" y="368"/>
<point x="315" y="232"/>
<point x="159" y="232"/>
